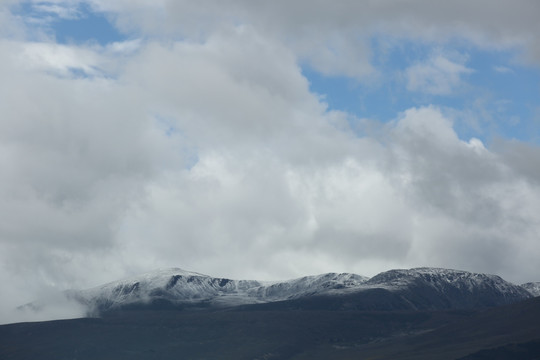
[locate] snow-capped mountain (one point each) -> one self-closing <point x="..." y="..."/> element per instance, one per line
<point x="533" y="288"/>
<point x="330" y="283"/>
<point x="437" y="288"/>
<point x="413" y="289"/>
<point x="170" y="285"/>
<point x="180" y="287"/>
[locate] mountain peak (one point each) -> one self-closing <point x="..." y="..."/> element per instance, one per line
<point x="532" y="287"/>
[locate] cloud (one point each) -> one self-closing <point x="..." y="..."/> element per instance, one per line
<point x="60" y="59"/>
<point x="61" y="9"/>
<point x="463" y="186"/>
<point x="51" y="306"/>
<point x="334" y="38"/>
<point x="436" y="76"/>
<point x="74" y="151"/>
<point x="10" y="26"/>
<point x="427" y="197"/>
<point x="200" y="145"/>
<point x="503" y="69"/>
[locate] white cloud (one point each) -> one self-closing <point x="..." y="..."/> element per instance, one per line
<point x="10" y="26"/>
<point x="426" y="198"/>
<point x="62" y="9"/>
<point x="503" y="69"/>
<point x="74" y="61"/>
<point x="437" y="76"/>
<point x="60" y="59"/>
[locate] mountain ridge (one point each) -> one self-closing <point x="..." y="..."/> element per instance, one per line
<point x="419" y="313"/>
<point x="421" y="288"/>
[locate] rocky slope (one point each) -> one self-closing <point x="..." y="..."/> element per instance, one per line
<point x="532" y="287"/>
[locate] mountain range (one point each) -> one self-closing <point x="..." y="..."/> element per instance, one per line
<point x="421" y="313"/>
<point x="414" y="289"/>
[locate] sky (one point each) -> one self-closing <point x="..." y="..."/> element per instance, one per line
<point x="265" y="139"/>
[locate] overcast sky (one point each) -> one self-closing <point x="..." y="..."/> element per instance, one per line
<point x="266" y="139"/>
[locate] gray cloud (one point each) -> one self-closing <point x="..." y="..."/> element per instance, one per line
<point x="332" y="37"/>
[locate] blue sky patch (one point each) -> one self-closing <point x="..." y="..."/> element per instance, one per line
<point x="490" y="86"/>
<point x="76" y="24"/>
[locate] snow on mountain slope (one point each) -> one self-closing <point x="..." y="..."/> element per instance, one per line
<point x="436" y="288"/>
<point x="441" y="279"/>
<point x="309" y="285"/>
<point x="533" y="288"/>
<point x="185" y="287"/>
<point x="174" y="285"/>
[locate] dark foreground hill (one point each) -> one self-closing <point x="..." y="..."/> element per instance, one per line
<point x="265" y="332"/>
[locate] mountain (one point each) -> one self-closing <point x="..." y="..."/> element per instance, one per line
<point x="177" y="287"/>
<point x="436" y="288"/>
<point x="413" y="289"/>
<point x="532" y="287"/>
<point x="422" y="313"/>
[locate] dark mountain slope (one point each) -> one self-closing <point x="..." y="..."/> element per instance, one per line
<point x="523" y="351"/>
<point x="144" y="334"/>
<point x="255" y="333"/>
<point x="515" y="323"/>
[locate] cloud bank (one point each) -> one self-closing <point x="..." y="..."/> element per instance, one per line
<point x="200" y="145"/>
